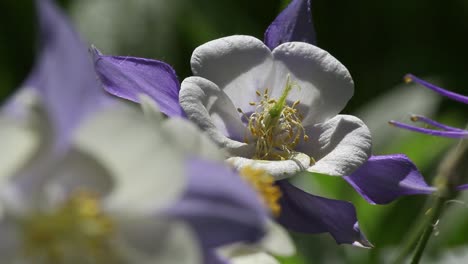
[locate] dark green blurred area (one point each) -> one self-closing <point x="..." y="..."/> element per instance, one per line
<point x="378" y="41"/>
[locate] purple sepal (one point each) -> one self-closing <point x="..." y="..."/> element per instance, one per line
<point x="306" y="213"/>
<point x="294" y="23"/>
<point x="462" y="187"/>
<point x="220" y="206"/>
<point x="439" y="90"/>
<point x="126" y="77"/>
<point x="382" y="179"/>
<point x="63" y="73"/>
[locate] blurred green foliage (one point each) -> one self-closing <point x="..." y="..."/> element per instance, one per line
<point x="378" y="41"/>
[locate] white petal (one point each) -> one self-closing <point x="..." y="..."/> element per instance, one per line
<point x="208" y="107"/>
<point x="157" y="240"/>
<point x="26" y="141"/>
<point x="254" y="258"/>
<point x="76" y="171"/>
<point x="24" y="132"/>
<point x="339" y="145"/>
<point x="150" y="109"/>
<point x="325" y="85"/>
<point x="239" y="65"/>
<point x="278" y="169"/>
<point x="184" y="135"/>
<point x="147" y="171"/>
<point x="277" y="241"/>
<point x="189" y="139"/>
<point x="19" y="143"/>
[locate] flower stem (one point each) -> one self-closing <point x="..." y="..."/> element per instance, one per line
<point x="448" y="177"/>
<point x="435" y="212"/>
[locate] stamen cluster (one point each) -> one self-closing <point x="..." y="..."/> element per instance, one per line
<point x="276" y="126"/>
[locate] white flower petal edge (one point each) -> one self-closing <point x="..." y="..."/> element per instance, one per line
<point x="239" y="65"/>
<point x="190" y="140"/>
<point x="324" y="84"/>
<point x="22" y="137"/>
<point x="339" y="145"/>
<point x="121" y="140"/>
<point x="183" y="135"/>
<point x="77" y="170"/>
<point x="278" y="169"/>
<point x="200" y="99"/>
<point x="20" y="142"/>
<point x="277" y="241"/>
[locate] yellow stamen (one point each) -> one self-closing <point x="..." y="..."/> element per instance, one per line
<point x="276" y="126"/>
<point x="76" y="230"/>
<point x="407" y="79"/>
<point x="263" y="183"/>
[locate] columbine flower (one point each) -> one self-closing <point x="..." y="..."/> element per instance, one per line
<point x="274" y="109"/>
<point x="88" y="180"/>
<point x="288" y="101"/>
<point x="445" y="130"/>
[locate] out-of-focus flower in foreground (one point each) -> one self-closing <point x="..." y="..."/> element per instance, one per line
<point x="87" y="179"/>
<point x="441" y="130"/>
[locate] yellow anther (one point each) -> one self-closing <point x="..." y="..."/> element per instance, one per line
<point x="296" y="103"/>
<point x="414" y="118"/>
<point x="263" y="183"/>
<point x="258" y="93"/>
<point x="407" y="79"/>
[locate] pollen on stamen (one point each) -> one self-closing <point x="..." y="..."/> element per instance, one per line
<point x="263" y="183"/>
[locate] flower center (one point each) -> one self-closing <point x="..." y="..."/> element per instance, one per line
<point x="263" y="183"/>
<point x="275" y="125"/>
<point x="76" y="232"/>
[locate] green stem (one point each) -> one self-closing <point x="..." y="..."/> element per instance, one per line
<point x="447" y="178"/>
<point x="435" y="213"/>
<point x="414" y="237"/>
